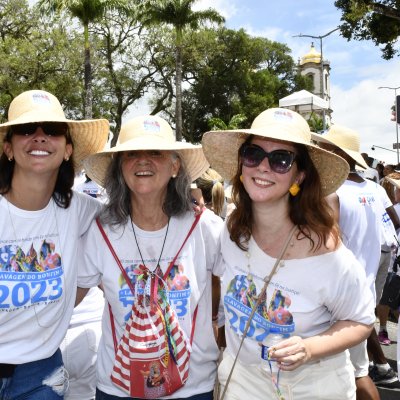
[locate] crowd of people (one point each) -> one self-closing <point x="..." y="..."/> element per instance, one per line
<point x="271" y="243"/>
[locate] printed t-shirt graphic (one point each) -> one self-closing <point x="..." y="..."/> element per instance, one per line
<point x="31" y="273"/>
<point x="176" y="286"/>
<point x="273" y="314"/>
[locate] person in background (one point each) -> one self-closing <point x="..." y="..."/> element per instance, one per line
<point x="212" y="188"/>
<point x="148" y="216"/>
<point x="383" y="310"/>
<point x="369" y="172"/>
<point x="380" y="167"/>
<point x="394" y="178"/>
<point x="80" y="344"/>
<point x="92" y="189"/>
<point x="317" y="294"/>
<point x="42" y="220"/>
<point x="211" y="185"/>
<point x="360" y="206"/>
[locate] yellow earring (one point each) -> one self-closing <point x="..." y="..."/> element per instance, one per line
<point x="294" y="189"/>
<point x="241" y="178"/>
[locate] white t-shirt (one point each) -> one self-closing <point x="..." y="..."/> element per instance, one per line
<point x="362" y="220"/>
<point x="304" y="297"/>
<point x="91" y="188"/>
<point x="90" y="309"/>
<point x="189" y="283"/>
<point x="38" y="270"/>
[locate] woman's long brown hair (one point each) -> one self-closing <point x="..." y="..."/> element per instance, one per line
<point x="308" y="210"/>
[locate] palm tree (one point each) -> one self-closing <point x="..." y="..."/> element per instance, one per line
<point x="87" y="11"/>
<point x="217" y="124"/>
<point x="180" y="15"/>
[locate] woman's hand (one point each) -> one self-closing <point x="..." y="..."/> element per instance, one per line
<point x="295" y="351"/>
<point x="197" y="201"/>
<point x="290" y="353"/>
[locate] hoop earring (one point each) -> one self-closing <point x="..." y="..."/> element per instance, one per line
<point x="10" y="159"/>
<point x="294" y="189"/>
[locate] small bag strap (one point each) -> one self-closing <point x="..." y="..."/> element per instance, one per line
<point x="128" y="281"/>
<point x="267" y="280"/>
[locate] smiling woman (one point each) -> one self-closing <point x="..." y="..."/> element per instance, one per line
<point x="284" y="270"/>
<point x="156" y="266"/>
<point x="41" y="222"/>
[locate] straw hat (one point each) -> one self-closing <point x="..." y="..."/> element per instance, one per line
<point x="394" y="179"/>
<point x="147" y="132"/>
<point x="346" y="139"/>
<point x="221" y="147"/>
<point x="88" y="136"/>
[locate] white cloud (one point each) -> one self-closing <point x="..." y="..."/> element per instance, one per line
<point x="225" y="7"/>
<point x="367" y="109"/>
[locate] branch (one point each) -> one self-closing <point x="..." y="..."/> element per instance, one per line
<point x="385" y="10"/>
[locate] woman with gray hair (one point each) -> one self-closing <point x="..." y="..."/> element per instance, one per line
<point x="154" y="258"/>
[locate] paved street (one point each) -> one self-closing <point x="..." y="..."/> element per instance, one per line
<point x="391" y="355"/>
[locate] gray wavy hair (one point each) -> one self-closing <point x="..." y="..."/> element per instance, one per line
<point x="177" y="200"/>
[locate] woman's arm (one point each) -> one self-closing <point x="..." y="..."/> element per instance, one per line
<point x="295" y="351"/>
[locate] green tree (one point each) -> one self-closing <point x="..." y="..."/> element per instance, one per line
<point x="38" y="53"/>
<point x="180" y="15"/>
<point x="378" y="21"/>
<point x="88" y="12"/>
<point x="132" y="64"/>
<point x="230" y="73"/>
<point x="235" y="122"/>
<point x="315" y="123"/>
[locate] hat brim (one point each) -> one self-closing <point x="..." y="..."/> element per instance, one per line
<point x="333" y="170"/>
<point x="355" y="155"/>
<point x="96" y="165"/>
<point x="394" y="182"/>
<point x="88" y="136"/>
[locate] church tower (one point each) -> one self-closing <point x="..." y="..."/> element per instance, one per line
<point x="310" y="65"/>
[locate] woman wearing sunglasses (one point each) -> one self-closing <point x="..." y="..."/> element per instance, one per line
<point x="41" y="222"/>
<point x="282" y="232"/>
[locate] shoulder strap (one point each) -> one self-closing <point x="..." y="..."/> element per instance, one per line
<point x="267" y="280"/>
<point x="128" y="281"/>
<point x="107" y="240"/>
<point x="196" y="220"/>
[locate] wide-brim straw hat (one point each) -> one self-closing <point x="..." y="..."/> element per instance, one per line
<point x="394" y="179"/>
<point x="147" y="132"/>
<point x="346" y="139"/>
<point x="221" y="147"/>
<point x="88" y="136"/>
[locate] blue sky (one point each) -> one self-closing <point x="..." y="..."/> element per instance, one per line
<point x="357" y="67"/>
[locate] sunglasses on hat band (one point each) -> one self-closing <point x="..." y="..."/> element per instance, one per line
<point x="280" y="161"/>
<point x="49" y="128"/>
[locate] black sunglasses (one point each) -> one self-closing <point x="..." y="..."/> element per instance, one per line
<point x="49" y="128"/>
<point x="280" y="161"/>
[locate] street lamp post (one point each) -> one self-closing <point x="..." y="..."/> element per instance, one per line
<point x="384" y="148"/>
<point x="397" y="125"/>
<point x="322" y="67"/>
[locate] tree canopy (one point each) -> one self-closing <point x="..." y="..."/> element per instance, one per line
<point x="378" y="21"/>
<point x="225" y="73"/>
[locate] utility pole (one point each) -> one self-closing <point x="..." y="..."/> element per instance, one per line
<point x="396" y="122"/>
